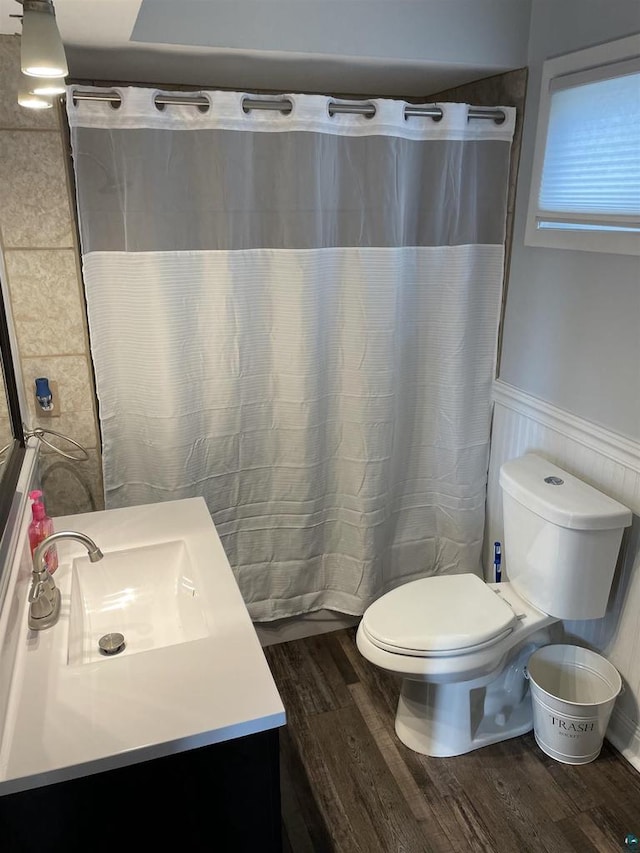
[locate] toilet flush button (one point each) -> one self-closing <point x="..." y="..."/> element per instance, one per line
<point x="554" y="481"/>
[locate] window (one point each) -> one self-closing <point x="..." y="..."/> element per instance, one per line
<point x="585" y="187"/>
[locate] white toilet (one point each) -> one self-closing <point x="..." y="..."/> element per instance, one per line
<point x="461" y="645"/>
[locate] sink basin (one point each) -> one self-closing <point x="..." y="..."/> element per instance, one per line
<point x="148" y="594"/>
<point x="192" y="673"/>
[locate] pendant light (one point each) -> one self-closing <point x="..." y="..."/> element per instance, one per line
<point x="47" y="86"/>
<point x="42" y="52"/>
<point x="28" y="98"/>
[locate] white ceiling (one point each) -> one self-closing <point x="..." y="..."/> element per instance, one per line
<point x="88" y="22"/>
<point x="402" y="47"/>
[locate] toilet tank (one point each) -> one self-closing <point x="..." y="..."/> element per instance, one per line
<point x="561" y="538"/>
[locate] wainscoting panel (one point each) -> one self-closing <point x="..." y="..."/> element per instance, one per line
<point x="608" y="462"/>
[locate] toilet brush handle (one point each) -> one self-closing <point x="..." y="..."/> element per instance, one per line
<point x="497" y="561"/>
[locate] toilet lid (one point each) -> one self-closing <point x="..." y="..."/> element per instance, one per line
<point x="442" y="613"/>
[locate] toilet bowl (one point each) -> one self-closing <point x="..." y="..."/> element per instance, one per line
<point x="460" y="646"/>
<point x="463" y="682"/>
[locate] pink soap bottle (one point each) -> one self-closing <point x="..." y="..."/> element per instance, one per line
<point x="41" y="526"/>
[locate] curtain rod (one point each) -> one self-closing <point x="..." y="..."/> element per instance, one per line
<point x="284" y="105"/>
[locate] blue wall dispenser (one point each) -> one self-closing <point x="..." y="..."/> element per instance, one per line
<point x="497" y="562"/>
<point x="44" y="394"/>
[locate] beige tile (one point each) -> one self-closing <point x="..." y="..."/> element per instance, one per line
<point x="71" y="372"/>
<point x="6" y="433"/>
<point x="45" y="301"/>
<point x="79" y="426"/>
<point x="71" y="487"/>
<point x="4" y="408"/>
<point x="46" y="337"/>
<point x="12" y="115"/>
<point x="34" y="203"/>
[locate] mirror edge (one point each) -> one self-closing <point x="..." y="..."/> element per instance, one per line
<point x="15" y="454"/>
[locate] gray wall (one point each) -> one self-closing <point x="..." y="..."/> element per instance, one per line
<point x="473" y="32"/>
<point x="572" y="321"/>
<point x="350" y="47"/>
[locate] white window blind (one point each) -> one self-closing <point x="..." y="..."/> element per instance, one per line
<point x="592" y="156"/>
<point x="586" y="188"/>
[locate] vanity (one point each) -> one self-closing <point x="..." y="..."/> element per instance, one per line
<point x="174" y="736"/>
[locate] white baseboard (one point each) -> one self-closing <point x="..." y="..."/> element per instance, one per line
<point x="624" y="734"/>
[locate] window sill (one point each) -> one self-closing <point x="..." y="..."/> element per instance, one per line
<point x="615" y="243"/>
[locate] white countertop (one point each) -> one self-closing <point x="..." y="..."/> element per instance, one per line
<point x="65" y="721"/>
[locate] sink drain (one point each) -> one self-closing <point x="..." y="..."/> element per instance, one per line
<point x="111" y="644"/>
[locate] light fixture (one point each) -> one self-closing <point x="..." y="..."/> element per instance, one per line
<point x="27" y="98"/>
<point x="42" y="51"/>
<point x="47" y="86"/>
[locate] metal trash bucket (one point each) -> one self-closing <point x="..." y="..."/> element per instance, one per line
<point x="573" y="692"/>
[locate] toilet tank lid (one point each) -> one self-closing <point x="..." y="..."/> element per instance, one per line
<point x="559" y="497"/>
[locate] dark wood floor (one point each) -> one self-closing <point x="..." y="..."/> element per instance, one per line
<point x="350" y="786"/>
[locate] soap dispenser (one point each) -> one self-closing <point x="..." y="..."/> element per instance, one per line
<point x="41" y="526"/>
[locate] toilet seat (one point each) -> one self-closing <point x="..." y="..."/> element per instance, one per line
<point x="438" y="616"/>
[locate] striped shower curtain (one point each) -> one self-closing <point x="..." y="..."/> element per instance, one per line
<point x="295" y="317"/>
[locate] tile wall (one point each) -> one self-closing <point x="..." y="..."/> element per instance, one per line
<point x="41" y="262"/>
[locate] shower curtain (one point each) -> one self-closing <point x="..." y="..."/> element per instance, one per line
<point x="295" y="317"/>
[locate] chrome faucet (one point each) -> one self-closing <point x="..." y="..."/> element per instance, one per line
<point x="44" y="595"/>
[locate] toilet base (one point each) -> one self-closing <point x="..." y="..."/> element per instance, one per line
<point x="442" y="720"/>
